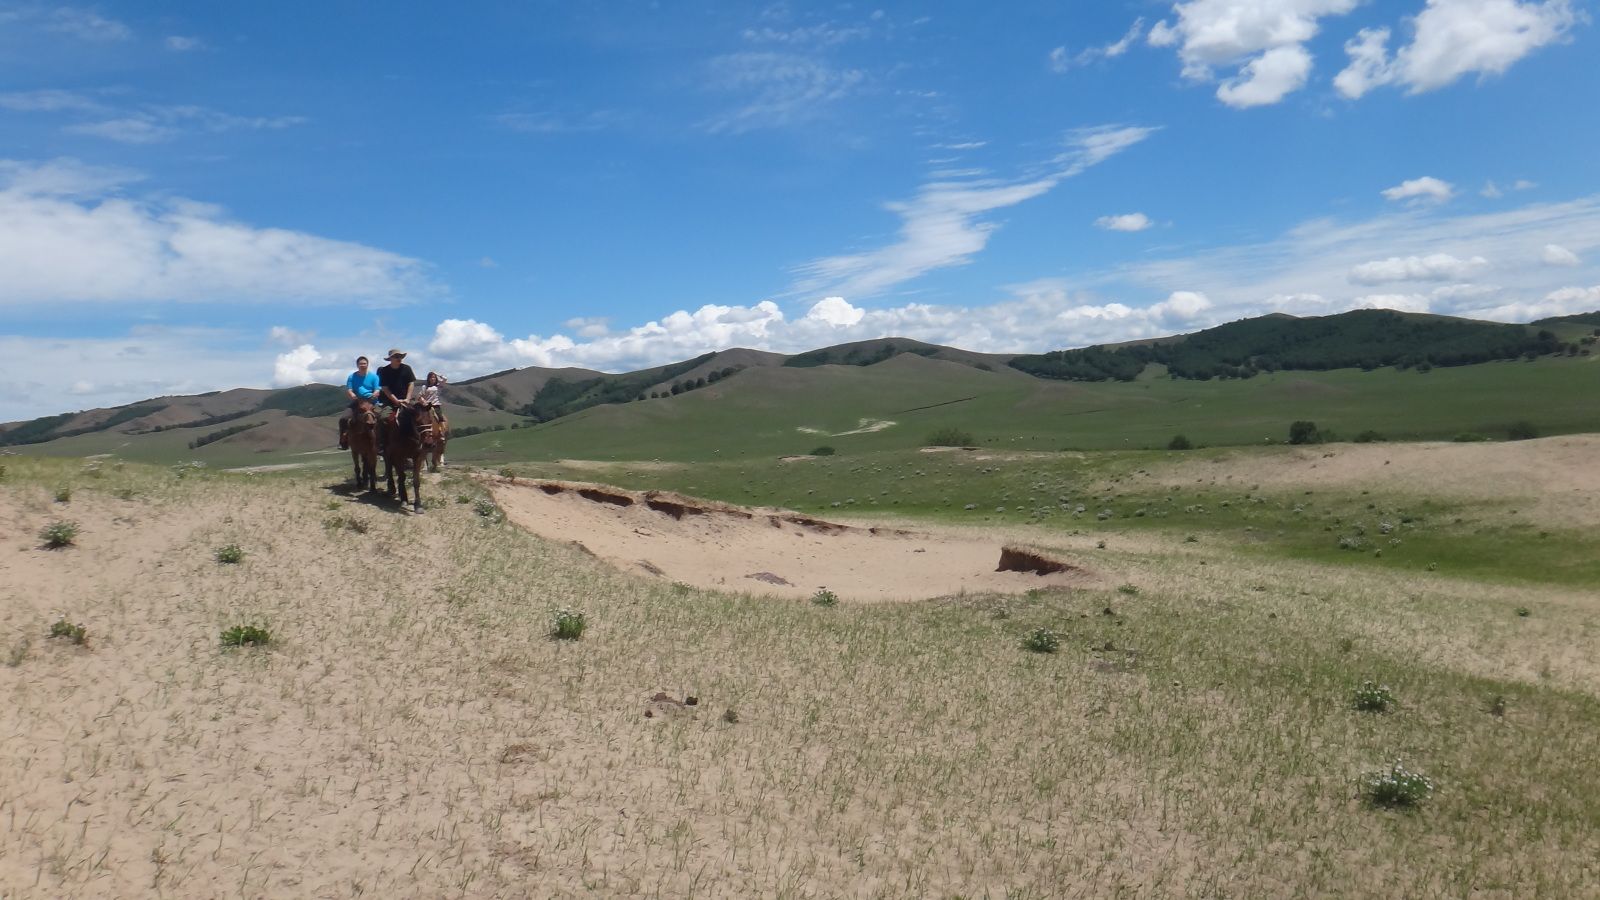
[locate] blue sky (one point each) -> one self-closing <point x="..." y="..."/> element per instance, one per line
<point x="197" y="196"/>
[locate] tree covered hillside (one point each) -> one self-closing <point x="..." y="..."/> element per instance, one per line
<point x="1365" y="339"/>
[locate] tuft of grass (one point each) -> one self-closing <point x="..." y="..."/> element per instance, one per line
<point x="1372" y="697"/>
<point x="1396" y="787"/>
<point x="488" y="511"/>
<point x="246" y="636"/>
<point x="1129" y="589"/>
<point x="825" y="597"/>
<point x="1524" y="612"/>
<point x="1041" y="640"/>
<point x="59" y="534"/>
<point x="567" y="624"/>
<point x="17" y="653"/>
<point x="1496" y="705"/>
<point x="229" y="554"/>
<point x="731" y="716"/>
<point x="349" y="523"/>
<point x="72" y="631"/>
<point x="63" y="494"/>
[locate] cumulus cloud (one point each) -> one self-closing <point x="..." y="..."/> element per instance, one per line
<point x="1557" y="255"/>
<point x="1433" y="267"/>
<point x="1454" y="38"/>
<point x="293" y="368"/>
<point x="69" y="235"/>
<point x="1426" y="189"/>
<point x="942" y="225"/>
<point x="836" y="311"/>
<point x="1262" y="40"/>
<point x="1129" y="222"/>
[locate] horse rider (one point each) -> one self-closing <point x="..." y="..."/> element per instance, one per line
<point x="395" y="384"/>
<point x="362" y="386"/>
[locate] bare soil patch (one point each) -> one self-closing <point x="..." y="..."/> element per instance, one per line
<point x="771" y="551"/>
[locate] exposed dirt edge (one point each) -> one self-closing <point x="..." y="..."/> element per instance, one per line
<point x="1021" y="559"/>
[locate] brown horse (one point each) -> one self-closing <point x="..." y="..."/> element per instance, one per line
<point x="363" y="437"/>
<point x="441" y="435"/>
<point x="410" y="441"/>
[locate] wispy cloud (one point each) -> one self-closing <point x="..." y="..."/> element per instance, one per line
<point x="779" y="89"/>
<point x="1061" y="60"/>
<point x="155" y="124"/>
<point x="559" y="123"/>
<point x="1426" y="189"/>
<point x="84" y="24"/>
<point x="68" y="235"/>
<point x="49" y="101"/>
<point x="178" y="43"/>
<point x="942" y="225"/>
<point x="1129" y="222"/>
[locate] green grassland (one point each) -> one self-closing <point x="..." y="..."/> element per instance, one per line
<point x="760" y="412"/>
<point x="1193" y="735"/>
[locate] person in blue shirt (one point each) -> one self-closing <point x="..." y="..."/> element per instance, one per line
<point x="362" y="386"/>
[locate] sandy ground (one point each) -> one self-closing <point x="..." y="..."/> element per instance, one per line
<point x="1558" y="476"/>
<point x="764" y="551"/>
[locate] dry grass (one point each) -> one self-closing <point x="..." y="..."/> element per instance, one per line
<point x="413" y="731"/>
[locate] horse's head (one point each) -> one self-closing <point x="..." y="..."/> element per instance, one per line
<point x="366" y="415"/>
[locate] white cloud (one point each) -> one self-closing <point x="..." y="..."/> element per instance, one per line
<point x="1061" y="61"/>
<point x="180" y="44"/>
<point x="1426" y="189"/>
<point x="1433" y="267"/>
<point x="1415" y="303"/>
<point x="1263" y="40"/>
<point x="1453" y="38"/>
<point x="1557" y="255"/>
<point x="836" y="311"/>
<point x="85" y="25"/>
<point x="280" y="334"/>
<point x="162" y="123"/>
<point x="293" y="368"/>
<point x="782" y="89"/>
<point x="1181" y="306"/>
<point x="1562" y="302"/>
<point x="68" y="236"/>
<point x="1128" y="222"/>
<point x="48" y="100"/>
<point x="941" y="226"/>
<point x="819" y="35"/>
<point x="589" y="326"/>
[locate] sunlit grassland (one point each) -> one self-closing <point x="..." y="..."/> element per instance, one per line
<point x="760" y="413"/>
<point x="415" y="732"/>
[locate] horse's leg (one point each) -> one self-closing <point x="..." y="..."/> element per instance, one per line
<point x="416" y="481"/>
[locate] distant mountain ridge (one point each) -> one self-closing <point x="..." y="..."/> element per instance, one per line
<point x="1362" y="338"/>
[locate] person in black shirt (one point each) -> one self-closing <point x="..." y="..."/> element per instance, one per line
<point x="395" y="381"/>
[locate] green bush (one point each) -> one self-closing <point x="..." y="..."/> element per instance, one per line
<point x="63" y="494"/>
<point x="824" y="450"/>
<point x="825" y="597"/>
<point x="1041" y="640"/>
<point x="567" y="624"/>
<point x="246" y="636"/>
<point x="950" y="437"/>
<point x="231" y="553"/>
<point x="1304" y="432"/>
<point x="1370" y="697"/>
<point x="59" y="534"/>
<point x="72" y="631"/>
<point x="1396" y="787"/>
<point x="1179" y="442"/>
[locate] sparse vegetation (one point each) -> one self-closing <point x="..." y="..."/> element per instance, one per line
<point x="1396" y="787"/>
<point x="1372" y="697"/>
<point x="246" y="636"/>
<point x="63" y="494"/>
<point x="1304" y="432"/>
<point x="1179" y="442"/>
<point x="567" y="624"/>
<point x="70" y="631"/>
<point x="59" y="534"/>
<point x="1041" y="640"/>
<point x="824" y="450"/>
<point x="229" y="554"/>
<point x="825" y="597"/>
<point x="950" y="437"/>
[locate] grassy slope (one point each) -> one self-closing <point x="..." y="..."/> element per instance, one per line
<point x="758" y="412"/>
<point x="1198" y="741"/>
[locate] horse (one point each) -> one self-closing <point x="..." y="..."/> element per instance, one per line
<point x="441" y="435"/>
<point x="363" y="437"/>
<point x="410" y="440"/>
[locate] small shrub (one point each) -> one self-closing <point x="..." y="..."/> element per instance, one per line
<point x="63" y="494"/>
<point x="824" y="450"/>
<point x="59" y="534"/>
<point x="825" y="597"/>
<point x="487" y="509"/>
<point x="1179" y="442"/>
<point x="950" y="437"/>
<point x="1522" y="431"/>
<point x="463" y="498"/>
<point x="567" y="624"/>
<point x="1396" y="787"/>
<point x="1524" y="612"/>
<point x="1041" y="640"/>
<point x="1128" y="589"/>
<point x="1304" y="432"/>
<point x="1370" y="697"/>
<point x="246" y="636"/>
<point x="230" y="554"/>
<point x="72" y="631"/>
